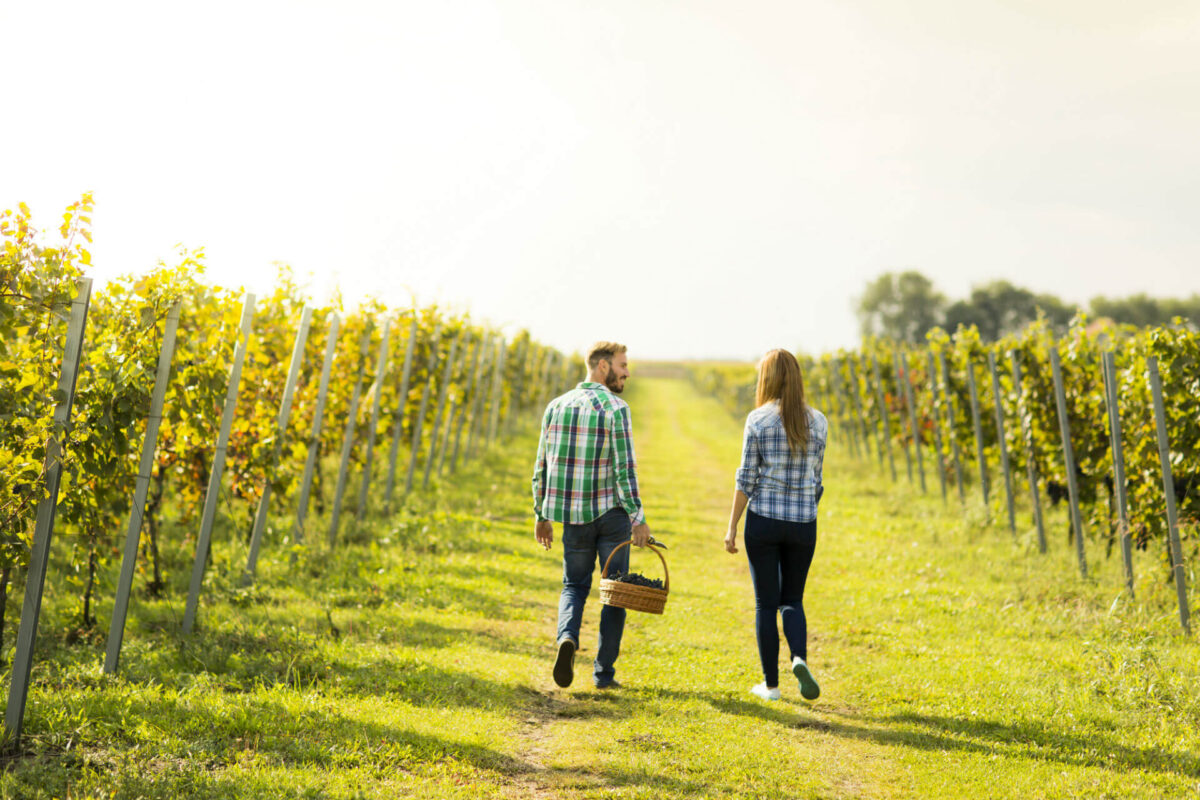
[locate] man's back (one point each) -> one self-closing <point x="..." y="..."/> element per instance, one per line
<point x="585" y="463"/>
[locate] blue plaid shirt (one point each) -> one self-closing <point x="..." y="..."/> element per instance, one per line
<point x="781" y="484"/>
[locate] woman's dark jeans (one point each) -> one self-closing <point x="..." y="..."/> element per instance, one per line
<point x="581" y="546"/>
<point x="780" y="554"/>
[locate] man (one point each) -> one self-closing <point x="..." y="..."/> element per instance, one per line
<point x="585" y="477"/>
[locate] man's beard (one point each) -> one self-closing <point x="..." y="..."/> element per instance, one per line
<point x="613" y="383"/>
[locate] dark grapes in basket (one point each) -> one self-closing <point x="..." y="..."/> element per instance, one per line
<point x="636" y="579"/>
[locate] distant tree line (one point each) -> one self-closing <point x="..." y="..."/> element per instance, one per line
<point x="906" y="305"/>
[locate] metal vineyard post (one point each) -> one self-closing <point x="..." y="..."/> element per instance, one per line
<point x="281" y="423"/>
<point x="937" y="425"/>
<point x="884" y="417"/>
<point x="443" y="393"/>
<point x="380" y="375"/>
<point x="364" y="349"/>
<point x="1027" y="438"/>
<point x="1108" y="364"/>
<point x="1004" y="465"/>
<point x="218" y="467"/>
<point x="398" y="417"/>
<point x="314" y="438"/>
<point x="419" y="426"/>
<point x="902" y="369"/>
<point x="39" y="556"/>
<point x="116" y="627"/>
<point x="1164" y="457"/>
<point x="951" y="433"/>
<point x="984" y="480"/>
<point x="1069" y="459"/>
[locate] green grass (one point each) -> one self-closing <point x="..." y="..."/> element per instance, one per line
<point x="953" y="661"/>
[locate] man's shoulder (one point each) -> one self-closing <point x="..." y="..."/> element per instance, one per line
<point x="586" y="397"/>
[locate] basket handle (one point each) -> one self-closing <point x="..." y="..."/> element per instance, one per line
<point x="666" y="572"/>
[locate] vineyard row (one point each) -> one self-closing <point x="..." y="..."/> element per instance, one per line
<point x="221" y="390"/>
<point x="1106" y="418"/>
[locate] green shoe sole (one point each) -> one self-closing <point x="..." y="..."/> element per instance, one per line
<point x="809" y="689"/>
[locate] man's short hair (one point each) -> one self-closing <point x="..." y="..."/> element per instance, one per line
<point x="603" y="351"/>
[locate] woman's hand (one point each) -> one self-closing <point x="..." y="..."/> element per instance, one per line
<point x="731" y="541"/>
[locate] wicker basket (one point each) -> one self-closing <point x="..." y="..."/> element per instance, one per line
<point x="634" y="598"/>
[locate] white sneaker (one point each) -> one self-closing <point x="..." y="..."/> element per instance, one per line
<point x="809" y="689"/>
<point x="762" y="691"/>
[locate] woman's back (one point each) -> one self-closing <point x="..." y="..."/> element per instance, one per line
<point x="782" y="482"/>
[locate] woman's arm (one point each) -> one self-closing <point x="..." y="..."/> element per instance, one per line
<point x="746" y="481"/>
<point x="739" y="505"/>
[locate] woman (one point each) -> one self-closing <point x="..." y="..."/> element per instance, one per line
<point x="780" y="480"/>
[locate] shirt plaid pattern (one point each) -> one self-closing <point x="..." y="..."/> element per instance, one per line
<point x="781" y="484"/>
<point x="585" y="464"/>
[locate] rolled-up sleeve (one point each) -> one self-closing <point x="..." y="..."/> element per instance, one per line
<point x="747" y="473"/>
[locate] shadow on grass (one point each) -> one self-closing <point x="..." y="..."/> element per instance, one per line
<point x="1033" y="740"/>
<point x="1050" y="743"/>
<point x="185" y="745"/>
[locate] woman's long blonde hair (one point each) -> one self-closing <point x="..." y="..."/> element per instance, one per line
<point x="779" y="379"/>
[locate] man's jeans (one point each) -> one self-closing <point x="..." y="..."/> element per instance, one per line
<point x="581" y="545"/>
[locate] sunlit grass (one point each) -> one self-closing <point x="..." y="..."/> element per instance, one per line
<point x="415" y="660"/>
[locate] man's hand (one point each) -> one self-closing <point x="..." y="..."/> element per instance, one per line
<point x="731" y="541"/>
<point x="544" y="533"/>
<point x="641" y="534"/>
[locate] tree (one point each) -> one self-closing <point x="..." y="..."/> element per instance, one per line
<point x="999" y="308"/>
<point x="900" y="306"/>
<point x="1143" y="310"/>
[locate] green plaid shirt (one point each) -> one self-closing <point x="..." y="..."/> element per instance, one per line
<point x="585" y="464"/>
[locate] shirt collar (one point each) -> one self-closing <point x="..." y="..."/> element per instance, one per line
<point x="592" y="385"/>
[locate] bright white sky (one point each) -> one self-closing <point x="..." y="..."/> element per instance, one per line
<point x="696" y="179"/>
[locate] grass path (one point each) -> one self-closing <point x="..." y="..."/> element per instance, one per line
<point x="953" y="662"/>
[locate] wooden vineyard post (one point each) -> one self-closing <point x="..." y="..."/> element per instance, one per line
<point x="494" y="405"/>
<point x="285" y="411"/>
<point x="902" y="369"/>
<point x="1164" y="457"/>
<point x="884" y="417"/>
<point x="1004" y="463"/>
<point x="39" y="556"/>
<point x="398" y="418"/>
<point x="1111" y="400"/>
<point x="314" y="438"/>
<point x="377" y="395"/>
<point x="218" y="468"/>
<point x="116" y="627"/>
<point x="951" y="418"/>
<point x="339" y="492"/>
<point x="937" y="425"/>
<point x="906" y="400"/>
<point x="443" y="393"/>
<point x="1069" y="459"/>
<point x="978" y="425"/>
<point x="1027" y="438"/>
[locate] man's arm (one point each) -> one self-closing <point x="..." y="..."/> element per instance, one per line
<point x="543" y="530"/>
<point x="625" y="475"/>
